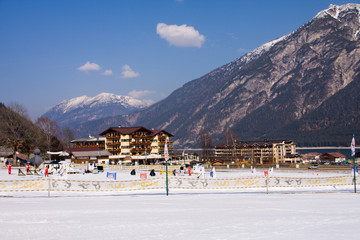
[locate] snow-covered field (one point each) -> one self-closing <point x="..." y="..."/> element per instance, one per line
<point x="184" y="214"/>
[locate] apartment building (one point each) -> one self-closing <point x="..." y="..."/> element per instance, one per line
<point x="259" y="152"/>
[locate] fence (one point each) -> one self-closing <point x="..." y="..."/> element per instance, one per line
<point x="138" y="167"/>
<point x="268" y="183"/>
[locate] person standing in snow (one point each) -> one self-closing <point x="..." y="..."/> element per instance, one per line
<point x="47" y="171"/>
<point x="9" y="168"/>
<point x="213" y="173"/>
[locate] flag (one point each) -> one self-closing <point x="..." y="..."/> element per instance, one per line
<point x="111" y="176"/>
<point x="213" y="173"/>
<point x="166" y="151"/>
<point x="353" y="146"/>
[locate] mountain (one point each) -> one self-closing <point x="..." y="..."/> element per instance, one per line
<point x="302" y="87"/>
<point x="82" y="109"/>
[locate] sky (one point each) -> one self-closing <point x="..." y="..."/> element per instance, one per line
<point x="56" y="50"/>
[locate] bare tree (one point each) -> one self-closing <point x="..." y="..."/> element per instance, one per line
<point x="206" y="142"/>
<point x="14" y="129"/>
<point x="50" y="128"/>
<point x="231" y="138"/>
<point x="67" y="135"/>
<point x="19" y="109"/>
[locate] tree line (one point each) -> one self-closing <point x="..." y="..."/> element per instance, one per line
<point x="19" y="133"/>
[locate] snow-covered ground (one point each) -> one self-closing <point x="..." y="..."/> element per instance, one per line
<point x="184" y="214"/>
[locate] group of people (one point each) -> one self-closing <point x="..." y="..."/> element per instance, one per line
<point x="174" y="172"/>
<point x="27" y="167"/>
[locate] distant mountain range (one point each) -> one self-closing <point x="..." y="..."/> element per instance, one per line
<point x="78" y="110"/>
<point x="303" y="86"/>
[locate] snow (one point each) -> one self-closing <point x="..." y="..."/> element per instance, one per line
<point x="184" y="214"/>
<point x="335" y="10"/>
<point x="262" y="49"/>
<point x="102" y="98"/>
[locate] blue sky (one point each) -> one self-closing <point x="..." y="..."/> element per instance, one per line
<point x="56" y="50"/>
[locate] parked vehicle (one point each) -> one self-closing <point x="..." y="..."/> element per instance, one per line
<point x="93" y="167"/>
<point x="313" y="167"/>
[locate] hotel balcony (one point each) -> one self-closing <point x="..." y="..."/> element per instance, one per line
<point x="141" y="143"/>
<point x="148" y="150"/>
<point x="163" y="143"/>
<point x="113" y="143"/>
<point x="162" y="149"/>
<point x="113" y="137"/>
<point x="114" y="150"/>
<point x="141" y="136"/>
<point x="90" y="146"/>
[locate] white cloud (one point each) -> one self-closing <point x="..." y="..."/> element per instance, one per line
<point x="148" y="101"/>
<point x="107" y="73"/>
<point x="88" y="66"/>
<point x="180" y="36"/>
<point x="140" y="94"/>
<point x="128" y="72"/>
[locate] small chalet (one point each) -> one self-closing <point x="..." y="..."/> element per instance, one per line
<point x="88" y="154"/>
<point x="311" y="157"/>
<point x="333" y="157"/>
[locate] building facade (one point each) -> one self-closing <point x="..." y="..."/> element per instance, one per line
<point x="91" y="142"/>
<point x="259" y="152"/>
<point x="136" y="144"/>
<point x="82" y="155"/>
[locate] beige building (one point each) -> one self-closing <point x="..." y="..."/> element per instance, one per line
<point x="136" y="144"/>
<point x="259" y="152"/>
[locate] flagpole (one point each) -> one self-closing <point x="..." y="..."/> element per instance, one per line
<point x="166" y="156"/>
<point x="167" y="184"/>
<point x="354" y="174"/>
<point x="353" y="154"/>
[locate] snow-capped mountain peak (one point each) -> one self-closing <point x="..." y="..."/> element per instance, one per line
<point x="335" y="10"/>
<point x="84" y="108"/>
<point x="102" y="98"/>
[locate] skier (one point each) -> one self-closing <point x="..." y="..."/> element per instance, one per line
<point x="47" y="171"/>
<point x="27" y="168"/>
<point x="9" y="168"/>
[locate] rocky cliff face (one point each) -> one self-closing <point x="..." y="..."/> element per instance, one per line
<point x="273" y="91"/>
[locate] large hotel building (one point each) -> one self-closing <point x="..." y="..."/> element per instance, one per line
<point x="130" y="144"/>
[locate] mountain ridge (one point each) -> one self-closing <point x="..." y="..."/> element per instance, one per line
<point x="270" y="92"/>
<point x="81" y="109"/>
